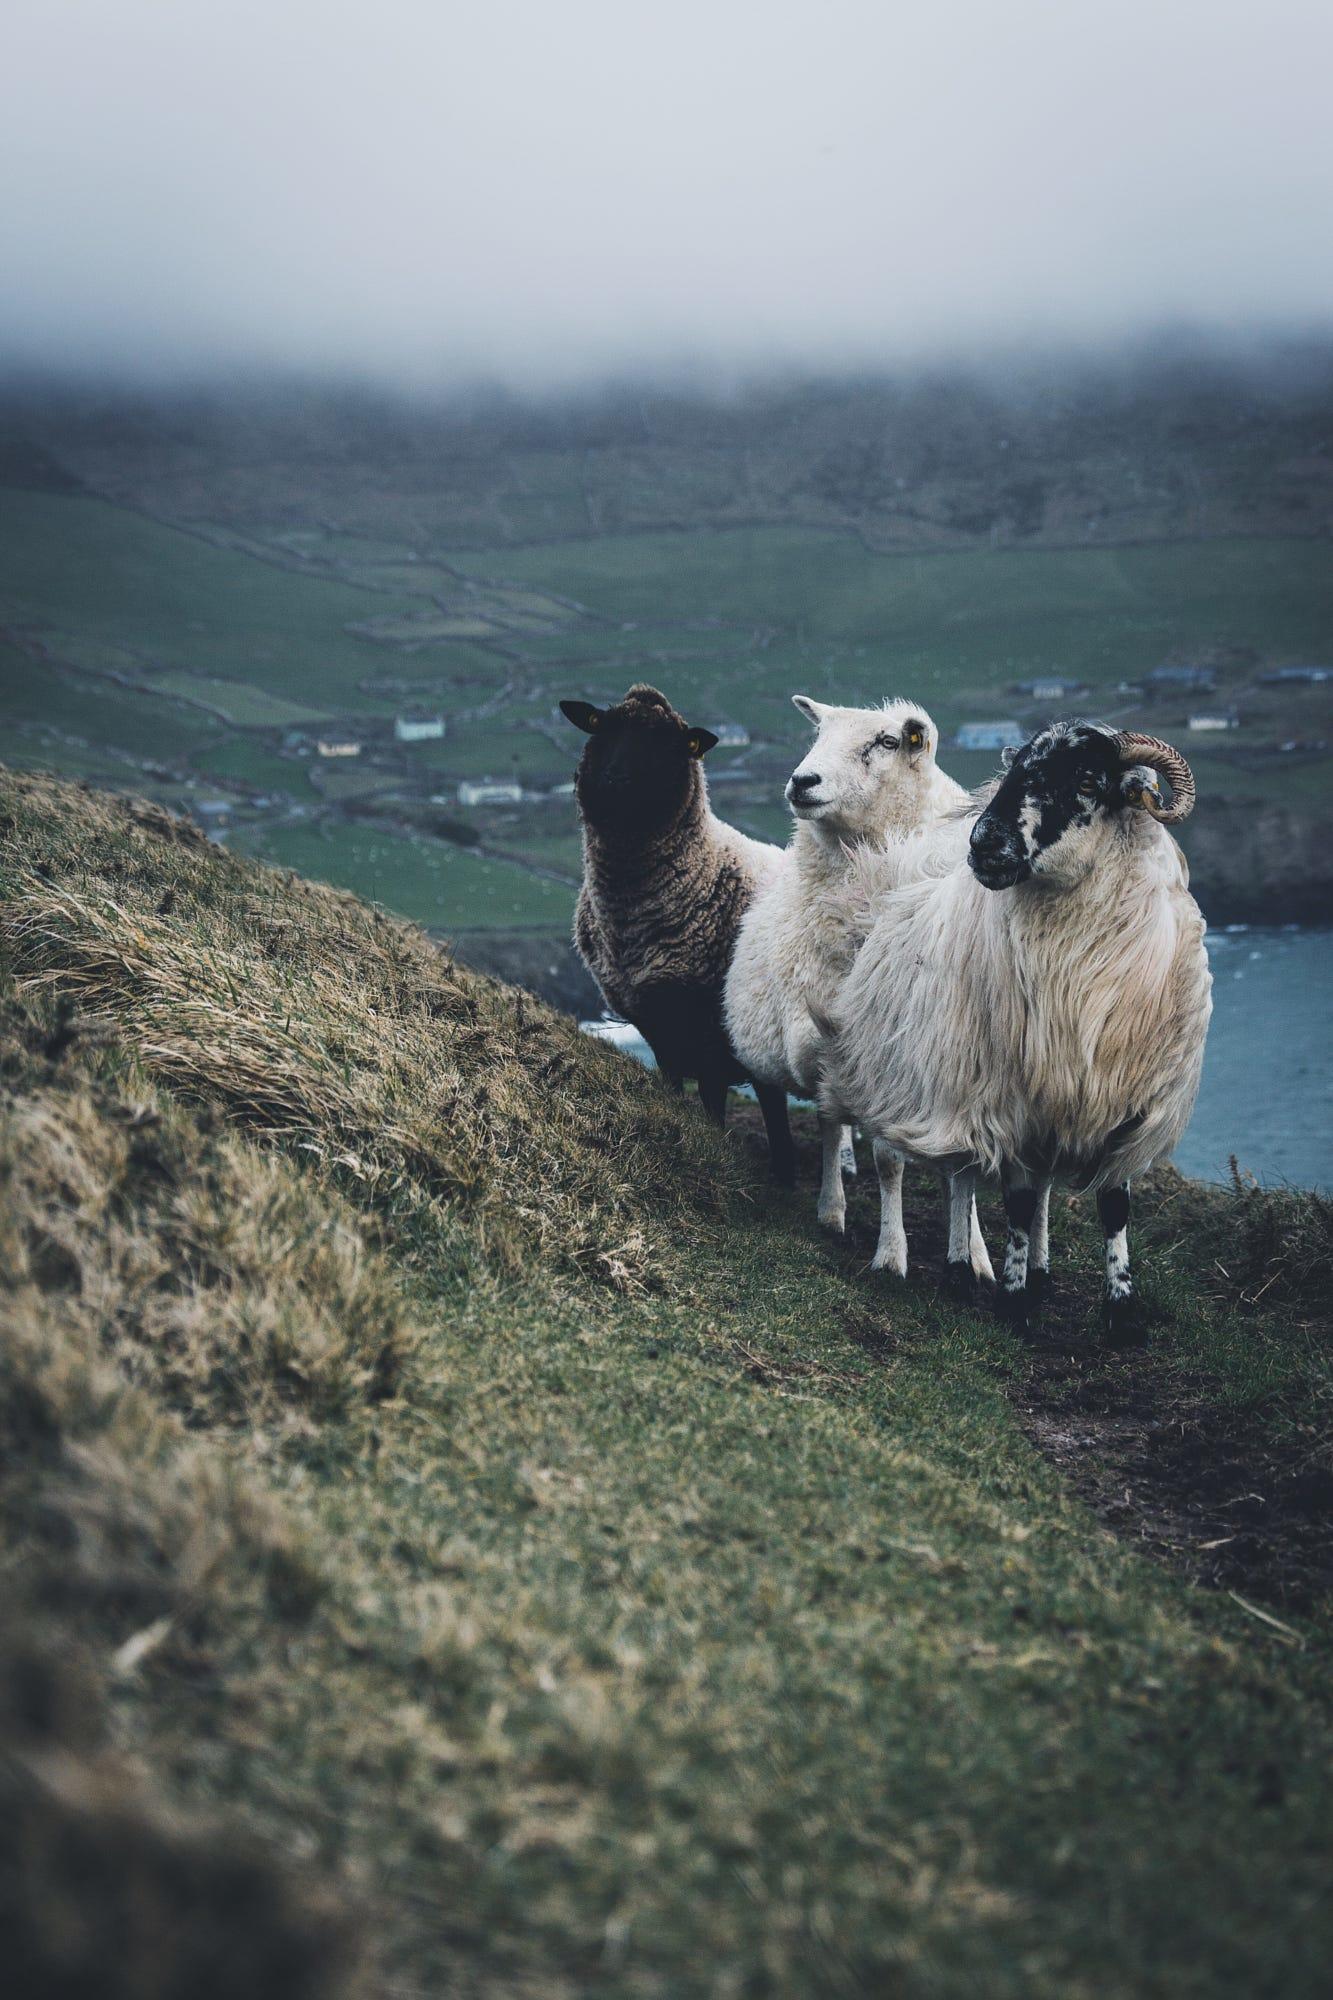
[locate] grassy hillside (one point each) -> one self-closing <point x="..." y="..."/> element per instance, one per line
<point x="442" y="1483"/>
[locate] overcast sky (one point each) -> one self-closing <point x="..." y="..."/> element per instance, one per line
<point x="543" y="190"/>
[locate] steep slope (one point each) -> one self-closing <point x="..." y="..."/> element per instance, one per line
<point x="471" y="1503"/>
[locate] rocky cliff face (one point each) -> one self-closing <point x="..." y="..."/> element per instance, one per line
<point x="1261" y="864"/>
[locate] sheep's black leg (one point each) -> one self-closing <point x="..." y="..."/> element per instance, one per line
<point x="713" y="1096"/>
<point x="1020" y="1206"/>
<point x="1124" y="1314"/>
<point x="781" y="1152"/>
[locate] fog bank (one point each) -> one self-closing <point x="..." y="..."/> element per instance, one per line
<point x="546" y="195"/>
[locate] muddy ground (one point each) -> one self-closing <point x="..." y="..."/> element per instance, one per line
<point x="1222" y="1498"/>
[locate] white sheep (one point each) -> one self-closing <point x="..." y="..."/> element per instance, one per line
<point x="870" y="774"/>
<point x="1041" y="1008"/>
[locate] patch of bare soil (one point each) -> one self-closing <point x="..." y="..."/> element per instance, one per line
<point x="1185" y="1482"/>
<point x="1134" y="1434"/>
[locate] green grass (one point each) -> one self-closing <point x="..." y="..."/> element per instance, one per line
<point x="181" y="602"/>
<point x="674" y="1611"/>
<point x="241" y="702"/>
<point x="101" y="713"/>
<point x="945" y="624"/>
<point x="256" y="763"/>
<point x="430" y="881"/>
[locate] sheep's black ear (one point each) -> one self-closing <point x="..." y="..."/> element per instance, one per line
<point x="582" y="714"/>
<point x="914" y="734"/>
<point x="700" y="742"/>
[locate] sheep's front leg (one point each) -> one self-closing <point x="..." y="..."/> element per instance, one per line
<point x="781" y="1152"/>
<point x="1020" y="1208"/>
<point x="1039" y="1250"/>
<point x="713" y="1097"/>
<point x="1124" y="1314"/>
<point x="832" y="1200"/>
<point x="969" y="1260"/>
<point x="891" y="1250"/>
<point x="847" y="1151"/>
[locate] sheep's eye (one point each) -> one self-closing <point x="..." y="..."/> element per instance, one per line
<point x="884" y="741"/>
<point x="1088" y="794"/>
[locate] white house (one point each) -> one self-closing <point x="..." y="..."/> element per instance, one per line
<point x="417" y="726"/>
<point x="732" y="735"/>
<point x="989" y="735"/>
<point x="338" y="746"/>
<point x="1214" y="722"/>
<point x="490" y="792"/>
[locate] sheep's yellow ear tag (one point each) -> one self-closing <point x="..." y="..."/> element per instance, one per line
<point x="696" y="744"/>
<point x="916" y="739"/>
<point x="593" y="719"/>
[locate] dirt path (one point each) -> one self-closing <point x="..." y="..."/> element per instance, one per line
<point x="1133" y="1431"/>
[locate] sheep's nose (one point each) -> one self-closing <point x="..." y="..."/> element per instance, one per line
<point x="801" y="782"/>
<point x="989" y="837"/>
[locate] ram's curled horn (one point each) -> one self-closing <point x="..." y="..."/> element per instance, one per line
<point x="1160" y="756"/>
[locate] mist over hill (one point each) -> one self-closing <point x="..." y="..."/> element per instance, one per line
<point x="1177" y="438"/>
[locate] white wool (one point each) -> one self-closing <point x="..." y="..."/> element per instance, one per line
<point x="800" y="934"/>
<point x="1029" y="1025"/>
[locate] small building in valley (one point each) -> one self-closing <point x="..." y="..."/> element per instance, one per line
<point x="1300" y="676"/>
<point x="732" y="735"/>
<point x="1214" y="719"/>
<point x="1050" y="687"/>
<point x="989" y="735"/>
<point x="418" y="725"/>
<point x="490" y="792"/>
<point x="335" y="744"/>
<point x="1170" y="676"/>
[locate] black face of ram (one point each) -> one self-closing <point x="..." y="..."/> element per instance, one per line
<point x="636" y="768"/>
<point x="1057" y="782"/>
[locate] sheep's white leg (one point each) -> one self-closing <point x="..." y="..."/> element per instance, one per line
<point x="1020" y="1207"/>
<point x="891" y="1250"/>
<point x="968" y="1258"/>
<point x="1039" y="1248"/>
<point x="832" y="1200"/>
<point x="1124" y="1318"/>
<point x="978" y="1255"/>
<point x="847" y="1151"/>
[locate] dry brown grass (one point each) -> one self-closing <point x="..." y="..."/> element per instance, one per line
<point x="210" y="1270"/>
<point x="314" y="1021"/>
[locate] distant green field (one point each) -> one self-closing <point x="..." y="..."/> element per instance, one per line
<point x="180" y="602"/>
<point x="99" y="712"/>
<point x="427" y="880"/>
<point x="952" y="627"/>
<point x="241" y="702"/>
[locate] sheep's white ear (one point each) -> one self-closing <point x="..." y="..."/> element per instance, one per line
<point x="1007" y="756"/>
<point x="811" y="710"/>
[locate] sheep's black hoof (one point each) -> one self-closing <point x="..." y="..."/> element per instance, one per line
<point x="1035" y="1291"/>
<point x="1124" y="1321"/>
<point x="1013" y="1309"/>
<point x="959" y="1282"/>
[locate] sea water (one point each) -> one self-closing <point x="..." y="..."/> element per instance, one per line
<point x="1267" y="1091"/>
